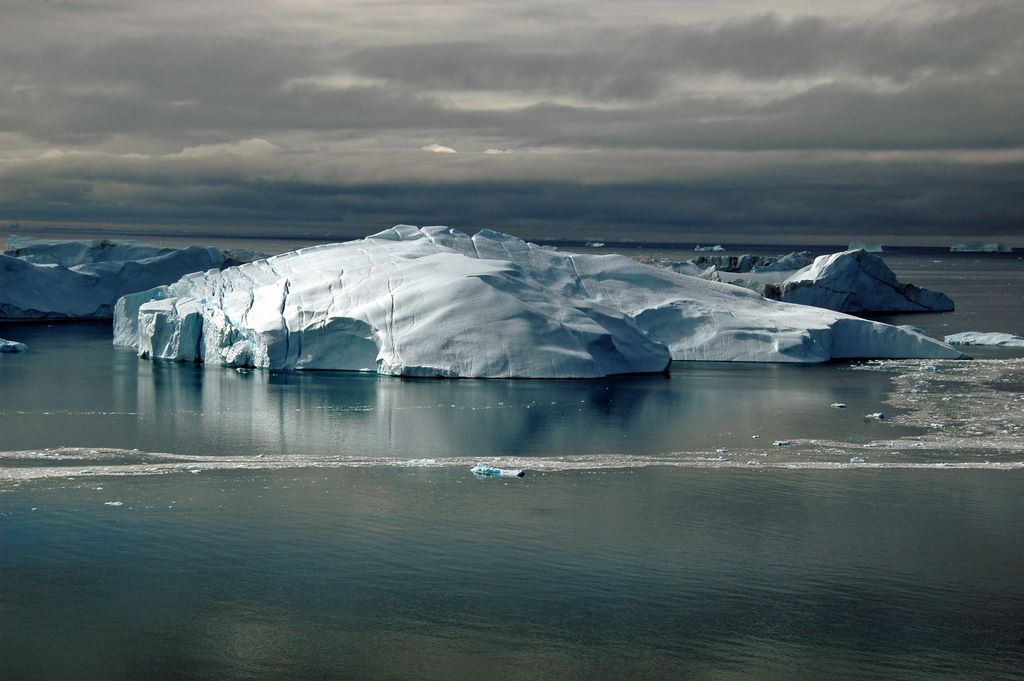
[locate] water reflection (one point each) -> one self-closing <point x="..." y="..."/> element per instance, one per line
<point x="74" y="389"/>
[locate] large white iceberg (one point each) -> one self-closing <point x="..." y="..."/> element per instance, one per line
<point x="980" y="247"/>
<point x="1006" y="340"/>
<point x="436" y="302"/>
<point x="58" y="279"/>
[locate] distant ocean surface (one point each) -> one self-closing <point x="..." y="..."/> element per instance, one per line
<point x="163" y="520"/>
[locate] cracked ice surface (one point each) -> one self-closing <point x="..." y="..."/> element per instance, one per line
<point x="437" y="302"/>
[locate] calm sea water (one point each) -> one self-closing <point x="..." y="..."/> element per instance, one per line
<point x="325" y="525"/>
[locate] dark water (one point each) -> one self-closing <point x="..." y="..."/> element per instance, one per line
<point x="113" y="399"/>
<point x="428" y="573"/>
<point x="387" y="573"/>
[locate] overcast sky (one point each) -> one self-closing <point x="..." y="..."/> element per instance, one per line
<point x="812" y="121"/>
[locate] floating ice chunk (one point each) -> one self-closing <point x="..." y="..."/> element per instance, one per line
<point x="1005" y="340"/>
<point x="707" y="249"/>
<point x="877" y="416"/>
<point x="594" y="244"/>
<point x="753" y="462"/>
<point x="837" y="405"/>
<point x="980" y="247"/>
<point x="113" y="503"/>
<point x="12" y="346"/>
<point x="486" y="470"/>
<point x="857" y="459"/>
<point x="782" y="443"/>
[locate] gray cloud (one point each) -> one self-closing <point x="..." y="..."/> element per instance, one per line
<point x="693" y="116"/>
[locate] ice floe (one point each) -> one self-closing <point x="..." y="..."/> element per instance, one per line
<point x="1008" y="340"/>
<point x="486" y="470"/>
<point x="437" y="302"/>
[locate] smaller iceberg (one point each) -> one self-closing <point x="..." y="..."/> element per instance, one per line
<point x="1003" y="340"/>
<point x="980" y="247"/>
<point x="594" y="244"/>
<point x="856" y="282"/>
<point x="486" y="470"/>
<point x="865" y="246"/>
<point x="12" y="346"/>
<point x="708" y="249"/>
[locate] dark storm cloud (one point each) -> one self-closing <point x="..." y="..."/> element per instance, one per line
<point x="658" y="116"/>
<point x="627" y="64"/>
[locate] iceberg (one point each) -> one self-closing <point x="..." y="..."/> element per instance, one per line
<point x="485" y="470"/>
<point x="865" y="246"/>
<point x="716" y="247"/>
<point x="12" y="346"/>
<point x="1006" y="340"/>
<point x="56" y="279"/>
<point x="850" y="281"/>
<point x="69" y="253"/>
<point x="437" y="302"/>
<point x="980" y="247"/>
<point x="856" y="282"/>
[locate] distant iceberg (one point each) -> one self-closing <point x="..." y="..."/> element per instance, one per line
<point x="60" y="279"/>
<point x="856" y="282"/>
<point x="716" y="247"/>
<point x="436" y="302"/>
<point x="980" y="247"/>
<point x="12" y="346"/>
<point x="865" y="246"/>
<point x="850" y="281"/>
<point x="1006" y="340"/>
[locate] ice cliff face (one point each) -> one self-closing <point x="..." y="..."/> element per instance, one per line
<point x="436" y="302"/>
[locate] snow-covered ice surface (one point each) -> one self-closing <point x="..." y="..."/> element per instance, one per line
<point x="1005" y="340"/>
<point x="12" y="346"/>
<point x="927" y="396"/>
<point x="436" y="302"/>
<point x="980" y="247"/>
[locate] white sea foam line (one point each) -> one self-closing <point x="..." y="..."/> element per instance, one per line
<point x="171" y="463"/>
